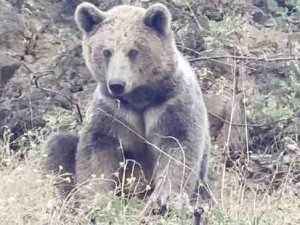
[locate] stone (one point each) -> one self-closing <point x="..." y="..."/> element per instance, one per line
<point x="8" y="67"/>
<point x="11" y="30"/>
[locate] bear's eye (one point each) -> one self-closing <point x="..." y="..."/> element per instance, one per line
<point x="132" y="54"/>
<point x="107" y="53"/>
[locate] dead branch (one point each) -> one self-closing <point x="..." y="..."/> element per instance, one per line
<point x="46" y="73"/>
<point x="253" y="125"/>
<point x="251" y="58"/>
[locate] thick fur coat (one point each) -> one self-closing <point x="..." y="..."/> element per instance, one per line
<point x="147" y="108"/>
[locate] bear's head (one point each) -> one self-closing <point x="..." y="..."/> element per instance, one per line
<point x="130" y="51"/>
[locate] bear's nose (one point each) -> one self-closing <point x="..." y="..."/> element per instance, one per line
<point x="117" y="87"/>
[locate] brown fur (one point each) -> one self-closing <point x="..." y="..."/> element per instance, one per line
<point x="159" y="120"/>
<point x="119" y="33"/>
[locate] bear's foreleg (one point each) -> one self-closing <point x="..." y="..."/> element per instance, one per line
<point x="99" y="155"/>
<point x="179" y="139"/>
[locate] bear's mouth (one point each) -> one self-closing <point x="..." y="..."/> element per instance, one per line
<point x="142" y="97"/>
<point x="146" y="96"/>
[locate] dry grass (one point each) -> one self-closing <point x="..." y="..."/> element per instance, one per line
<point x="243" y="205"/>
<point x="27" y="196"/>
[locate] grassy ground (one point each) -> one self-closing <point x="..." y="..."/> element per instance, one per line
<point x="27" y="196"/>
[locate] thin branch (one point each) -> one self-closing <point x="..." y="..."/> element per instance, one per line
<point x="46" y="73"/>
<point x="264" y="59"/>
<point x="252" y="125"/>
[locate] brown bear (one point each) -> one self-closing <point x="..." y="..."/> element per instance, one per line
<point x="147" y="107"/>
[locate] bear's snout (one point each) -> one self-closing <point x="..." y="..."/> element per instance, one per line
<point x="117" y="87"/>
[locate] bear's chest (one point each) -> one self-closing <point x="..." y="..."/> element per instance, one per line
<point x="129" y="128"/>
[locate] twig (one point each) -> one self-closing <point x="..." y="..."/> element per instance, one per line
<point x="194" y="16"/>
<point x="252" y="125"/>
<point x="46" y="73"/>
<point x="264" y="59"/>
<point x="214" y="58"/>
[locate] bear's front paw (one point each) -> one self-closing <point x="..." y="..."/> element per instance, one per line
<point x="158" y="204"/>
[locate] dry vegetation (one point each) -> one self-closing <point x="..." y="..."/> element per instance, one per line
<point x="27" y="196"/>
<point x="255" y="169"/>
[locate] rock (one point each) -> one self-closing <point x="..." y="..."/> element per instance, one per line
<point x="19" y="116"/>
<point x="262" y="4"/>
<point x="8" y="67"/>
<point x="17" y="3"/>
<point x="22" y="121"/>
<point x="5" y="114"/>
<point x="215" y="105"/>
<point x="259" y="16"/>
<point x="63" y="11"/>
<point x="29" y="59"/>
<point x="211" y="10"/>
<point x="221" y="66"/>
<point x="105" y="5"/>
<point x="21" y="106"/>
<point x="190" y="39"/>
<point x="11" y="30"/>
<point x="70" y="68"/>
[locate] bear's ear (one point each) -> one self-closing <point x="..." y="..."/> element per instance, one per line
<point x="87" y="16"/>
<point x="158" y="18"/>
